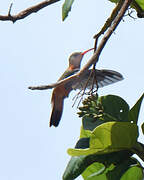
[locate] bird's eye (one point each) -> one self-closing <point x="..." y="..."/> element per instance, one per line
<point x="75" y="55"/>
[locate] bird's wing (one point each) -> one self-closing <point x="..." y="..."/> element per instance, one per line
<point x="98" y="78"/>
<point x="106" y="77"/>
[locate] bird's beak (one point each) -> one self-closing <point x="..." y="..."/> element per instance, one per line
<point x="86" y="51"/>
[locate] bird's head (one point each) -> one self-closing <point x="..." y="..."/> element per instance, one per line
<point x="76" y="57"/>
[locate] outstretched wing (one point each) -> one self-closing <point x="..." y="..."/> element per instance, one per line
<point x="96" y="78"/>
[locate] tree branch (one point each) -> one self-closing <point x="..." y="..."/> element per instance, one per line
<point x="95" y="57"/>
<point x="110" y="19"/>
<point x="26" y="12"/>
<point x="108" y="23"/>
<point x="104" y="40"/>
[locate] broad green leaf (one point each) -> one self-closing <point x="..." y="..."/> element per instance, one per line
<point x="108" y="160"/>
<point x="114" y="135"/>
<point x="91" y="123"/>
<point x="140" y="3"/>
<point x="74" y="168"/>
<point x="134" y="111"/>
<point x="134" y="172"/>
<point x="109" y="137"/>
<point x="93" y="163"/>
<point x="66" y="8"/>
<point x="78" y="164"/>
<point x="128" y="169"/>
<point x="82" y="143"/>
<point x="115" y="106"/>
<point x="90" y="174"/>
<point x="84" y="133"/>
<point x="94" y="171"/>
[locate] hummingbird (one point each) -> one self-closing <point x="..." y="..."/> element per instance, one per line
<point x="103" y="77"/>
<point x="61" y="92"/>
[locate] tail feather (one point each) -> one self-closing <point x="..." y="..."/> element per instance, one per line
<point x="55" y="117"/>
<point x="57" y="109"/>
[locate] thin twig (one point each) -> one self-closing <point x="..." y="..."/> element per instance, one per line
<point x="109" y="21"/>
<point x="26" y="12"/>
<point x="129" y="13"/>
<point x="10" y="8"/>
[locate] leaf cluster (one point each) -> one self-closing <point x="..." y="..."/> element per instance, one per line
<point x="107" y="141"/>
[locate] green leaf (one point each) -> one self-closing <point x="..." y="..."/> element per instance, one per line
<point x="74" y="168"/>
<point x="109" y="162"/>
<point x="114" y="136"/>
<point x="115" y="106"/>
<point x="93" y="163"/>
<point x="134" y="111"/>
<point x="82" y="143"/>
<point x="95" y="172"/>
<point x="91" y="123"/>
<point x="134" y="172"/>
<point x="78" y="164"/>
<point x="66" y="8"/>
<point x="109" y="137"/>
<point x="85" y="133"/>
<point x="128" y="169"/>
<point x="140" y="3"/>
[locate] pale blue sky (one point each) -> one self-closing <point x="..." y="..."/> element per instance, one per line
<point x="34" y="51"/>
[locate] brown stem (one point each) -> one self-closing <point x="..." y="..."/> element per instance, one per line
<point x="26" y="12"/>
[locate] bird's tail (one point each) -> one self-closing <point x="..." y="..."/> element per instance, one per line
<point x="57" y="109"/>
